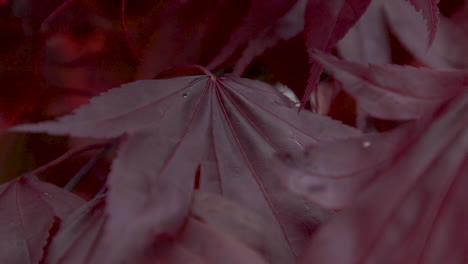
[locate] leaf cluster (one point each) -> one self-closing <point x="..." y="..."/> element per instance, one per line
<point x="223" y="131"/>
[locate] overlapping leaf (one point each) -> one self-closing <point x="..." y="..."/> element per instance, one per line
<point x="333" y="173"/>
<point x="327" y="22"/>
<point x="393" y="91"/>
<point x="226" y="127"/>
<point x="448" y="48"/>
<point x="29" y="209"/>
<point x="187" y="32"/>
<point x="77" y="240"/>
<point x="217" y="231"/>
<point x="413" y="211"/>
<point x="430" y="12"/>
<point x="368" y="41"/>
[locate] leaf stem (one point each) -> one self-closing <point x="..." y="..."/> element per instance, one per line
<point x="85" y="169"/>
<point x="65" y="157"/>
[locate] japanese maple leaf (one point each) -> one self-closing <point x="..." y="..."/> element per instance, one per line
<point x="393" y="91"/>
<point x="368" y="40"/>
<point x="228" y="127"/>
<point x="448" y="47"/>
<point x="430" y="12"/>
<point x="414" y="210"/>
<point x="326" y="22"/>
<point x="217" y="231"/>
<point x="78" y="237"/>
<point x="332" y="174"/>
<point x="29" y="209"/>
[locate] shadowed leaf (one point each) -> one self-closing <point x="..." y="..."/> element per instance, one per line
<point x="414" y="211"/>
<point x="29" y="209"/>
<point x="228" y="127"/>
<point x="393" y="91"/>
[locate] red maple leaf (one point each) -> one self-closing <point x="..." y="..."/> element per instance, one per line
<point x="393" y="91"/>
<point x="29" y="209"/>
<point x="227" y="127"/>
<point x="408" y="206"/>
<point x="216" y="231"/>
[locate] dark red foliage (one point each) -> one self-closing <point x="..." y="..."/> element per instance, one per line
<point x="228" y="126"/>
<point x="29" y="209"/>
<point x="246" y="164"/>
<point x="406" y="204"/>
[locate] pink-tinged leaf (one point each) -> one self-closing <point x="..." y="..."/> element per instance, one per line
<point x="430" y="12"/>
<point x="218" y="231"/>
<point x="218" y="248"/>
<point x="29" y="209"/>
<point x="289" y="26"/>
<point x="393" y="91"/>
<point x="326" y="22"/>
<point x="333" y="173"/>
<point x="227" y="127"/>
<point x="260" y="16"/>
<point x="415" y="210"/>
<point x="368" y="40"/>
<point x="244" y="225"/>
<point x="448" y="49"/>
<point x="326" y="93"/>
<point x="78" y="238"/>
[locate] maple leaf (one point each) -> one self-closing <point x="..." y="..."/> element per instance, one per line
<point x="242" y="224"/>
<point x="333" y="173"/>
<point x="447" y="49"/>
<point x="217" y="230"/>
<point x="393" y="91"/>
<point x="228" y="127"/>
<point x="29" y="209"/>
<point x="430" y="12"/>
<point x="327" y="21"/>
<point x="77" y="239"/>
<point x="414" y="210"/>
<point x="368" y="40"/>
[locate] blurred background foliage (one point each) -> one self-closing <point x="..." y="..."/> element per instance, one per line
<point x="48" y="69"/>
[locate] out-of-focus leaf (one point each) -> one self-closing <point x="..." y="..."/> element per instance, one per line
<point x="368" y="40"/>
<point x="33" y="13"/>
<point x="414" y="210"/>
<point x="333" y="173"/>
<point x="29" y="209"/>
<point x="227" y="127"/>
<point x="326" y="22"/>
<point x="216" y="231"/>
<point x="260" y="16"/>
<point x="448" y="48"/>
<point x="245" y="225"/>
<point x="430" y="12"/>
<point x="78" y="238"/>
<point x="393" y="91"/>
